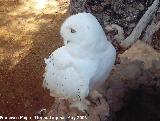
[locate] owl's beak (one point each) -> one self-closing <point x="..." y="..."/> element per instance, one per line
<point x="68" y="41"/>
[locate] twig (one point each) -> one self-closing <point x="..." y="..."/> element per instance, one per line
<point x="151" y="29"/>
<point x="136" y="33"/>
<point x="120" y="35"/>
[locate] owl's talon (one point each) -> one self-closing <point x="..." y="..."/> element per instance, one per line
<point x="86" y="112"/>
<point x="81" y="105"/>
<point x="99" y="100"/>
<point x="99" y="117"/>
<point x="95" y="95"/>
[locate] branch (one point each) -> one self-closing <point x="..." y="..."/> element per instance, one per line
<point x="120" y="35"/>
<point x="136" y="33"/>
<point x="151" y="29"/>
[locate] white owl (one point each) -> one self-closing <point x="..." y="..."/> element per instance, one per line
<point x="84" y="62"/>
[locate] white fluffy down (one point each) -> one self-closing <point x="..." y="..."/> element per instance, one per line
<point x="83" y="63"/>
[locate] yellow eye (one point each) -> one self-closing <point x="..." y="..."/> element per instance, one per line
<point x="73" y="31"/>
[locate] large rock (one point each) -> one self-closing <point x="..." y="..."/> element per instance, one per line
<point x="140" y="65"/>
<point x="123" y="77"/>
<point x="140" y="51"/>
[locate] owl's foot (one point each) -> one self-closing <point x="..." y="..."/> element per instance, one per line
<point x="81" y="105"/>
<point x="96" y="96"/>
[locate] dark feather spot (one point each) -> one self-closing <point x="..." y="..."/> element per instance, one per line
<point x="73" y="30"/>
<point x="79" y="97"/>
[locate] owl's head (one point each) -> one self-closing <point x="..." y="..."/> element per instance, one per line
<point x="83" y="30"/>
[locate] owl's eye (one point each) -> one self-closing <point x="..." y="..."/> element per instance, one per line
<point x="73" y="30"/>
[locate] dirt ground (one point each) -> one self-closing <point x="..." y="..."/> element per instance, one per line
<point x="29" y="32"/>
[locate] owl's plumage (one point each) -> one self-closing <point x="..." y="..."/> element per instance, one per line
<point x="83" y="63"/>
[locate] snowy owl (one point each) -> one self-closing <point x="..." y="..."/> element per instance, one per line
<point x="82" y="65"/>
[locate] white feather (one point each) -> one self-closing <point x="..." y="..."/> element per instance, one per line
<point x="83" y="63"/>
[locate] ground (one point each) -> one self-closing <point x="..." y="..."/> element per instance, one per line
<point x="29" y="32"/>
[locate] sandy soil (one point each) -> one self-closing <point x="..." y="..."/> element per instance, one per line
<point x="29" y="32"/>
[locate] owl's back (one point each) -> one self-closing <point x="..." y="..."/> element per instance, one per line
<point x="106" y="62"/>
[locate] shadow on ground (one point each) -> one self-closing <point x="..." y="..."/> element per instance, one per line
<point x="21" y="92"/>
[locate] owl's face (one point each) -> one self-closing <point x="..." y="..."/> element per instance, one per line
<point x="81" y="29"/>
<point x="73" y="33"/>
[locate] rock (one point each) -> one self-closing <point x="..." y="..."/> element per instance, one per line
<point x="140" y="51"/>
<point x="125" y="72"/>
<point x="123" y="77"/>
<point x="100" y="111"/>
<point x="97" y="111"/>
<point x="140" y="65"/>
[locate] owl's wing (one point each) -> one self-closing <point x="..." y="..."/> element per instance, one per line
<point x="62" y="79"/>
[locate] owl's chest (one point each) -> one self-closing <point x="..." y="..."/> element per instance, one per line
<point x="86" y="67"/>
